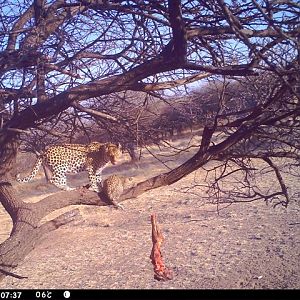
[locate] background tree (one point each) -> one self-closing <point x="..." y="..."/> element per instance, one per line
<point x="58" y="57"/>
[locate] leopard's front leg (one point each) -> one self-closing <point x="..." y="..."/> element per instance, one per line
<point x="93" y="177"/>
<point x="98" y="174"/>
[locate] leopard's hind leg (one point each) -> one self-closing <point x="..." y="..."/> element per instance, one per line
<point x="59" y="179"/>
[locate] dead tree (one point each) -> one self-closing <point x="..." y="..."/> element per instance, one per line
<point x="54" y="58"/>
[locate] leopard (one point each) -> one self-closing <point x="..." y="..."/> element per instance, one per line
<point x="74" y="158"/>
<point x="113" y="187"/>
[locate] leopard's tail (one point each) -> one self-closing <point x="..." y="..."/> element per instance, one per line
<point x="33" y="173"/>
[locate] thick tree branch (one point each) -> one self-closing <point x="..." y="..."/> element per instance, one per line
<point x="234" y="70"/>
<point x="179" y="31"/>
<point x="227" y="30"/>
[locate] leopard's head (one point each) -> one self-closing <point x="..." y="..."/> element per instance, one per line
<point x="113" y="151"/>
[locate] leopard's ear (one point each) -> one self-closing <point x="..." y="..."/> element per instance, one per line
<point x="119" y="146"/>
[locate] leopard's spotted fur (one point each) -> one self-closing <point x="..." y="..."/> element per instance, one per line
<point x="73" y="158"/>
<point x="113" y="187"/>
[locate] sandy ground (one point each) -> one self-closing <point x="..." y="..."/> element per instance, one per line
<point x="250" y="246"/>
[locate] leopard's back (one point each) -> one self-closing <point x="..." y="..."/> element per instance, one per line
<point x="76" y="157"/>
<point x="114" y="185"/>
<point x="66" y="157"/>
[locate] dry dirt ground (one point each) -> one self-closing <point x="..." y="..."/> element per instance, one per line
<point x="242" y="246"/>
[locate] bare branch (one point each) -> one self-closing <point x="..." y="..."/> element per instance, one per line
<point x="93" y="112"/>
<point x="169" y="84"/>
<point x="280" y="179"/>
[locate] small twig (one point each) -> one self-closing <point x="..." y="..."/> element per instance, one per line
<point x="7" y="273"/>
<point x="17" y="130"/>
